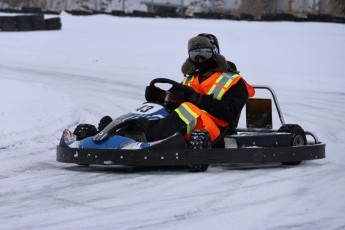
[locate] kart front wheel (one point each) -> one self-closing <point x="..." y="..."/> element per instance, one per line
<point x="83" y="131"/>
<point x="199" y="139"/>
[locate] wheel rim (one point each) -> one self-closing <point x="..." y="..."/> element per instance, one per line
<point x="298" y="141"/>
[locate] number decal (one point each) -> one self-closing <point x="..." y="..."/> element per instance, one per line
<point x="147" y="108"/>
<point x="144" y="109"/>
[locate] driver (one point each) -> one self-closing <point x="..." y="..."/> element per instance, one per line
<point x="213" y="93"/>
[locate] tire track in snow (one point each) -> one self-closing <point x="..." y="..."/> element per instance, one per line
<point x="94" y="96"/>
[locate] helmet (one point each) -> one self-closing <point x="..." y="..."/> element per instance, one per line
<point x="214" y="41"/>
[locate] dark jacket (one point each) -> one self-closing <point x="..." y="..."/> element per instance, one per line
<point x="229" y="107"/>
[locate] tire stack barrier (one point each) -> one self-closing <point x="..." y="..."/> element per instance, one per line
<point x="24" y="23"/>
<point x="38" y="22"/>
<point x="8" y="23"/>
<point x="80" y="12"/>
<point x="118" y="13"/>
<point x="29" y="23"/>
<point x="29" y="10"/>
<point x="53" y="24"/>
<point x="142" y="14"/>
<point x="34" y="21"/>
<point x="213" y="15"/>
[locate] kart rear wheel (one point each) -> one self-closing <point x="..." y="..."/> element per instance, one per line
<point x="199" y="139"/>
<point x="298" y="138"/>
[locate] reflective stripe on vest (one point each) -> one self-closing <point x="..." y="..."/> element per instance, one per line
<point x="187" y="116"/>
<point x="188" y="80"/>
<point x="221" y="84"/>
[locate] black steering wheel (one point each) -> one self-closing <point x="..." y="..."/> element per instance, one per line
<point x="165" y="80"/>
<point x="171" y="98"/>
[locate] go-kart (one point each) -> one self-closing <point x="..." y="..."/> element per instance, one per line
<point x="122" y="143"/>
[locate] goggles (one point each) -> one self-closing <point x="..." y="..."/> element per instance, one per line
<point x="202" y="52"/>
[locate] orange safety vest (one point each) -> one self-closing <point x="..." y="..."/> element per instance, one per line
<point x="217" y="85"/>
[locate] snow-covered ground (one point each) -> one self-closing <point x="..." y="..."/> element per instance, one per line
<point x="100" y="65"/>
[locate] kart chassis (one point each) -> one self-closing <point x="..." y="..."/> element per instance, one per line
<point x="258" y="143"/>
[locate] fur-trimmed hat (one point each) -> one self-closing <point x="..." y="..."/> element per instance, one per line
<point x="189" y="67"/>
<point x="199" y="42"/>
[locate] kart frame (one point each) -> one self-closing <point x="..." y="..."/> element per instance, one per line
<point x="251" y="145"/>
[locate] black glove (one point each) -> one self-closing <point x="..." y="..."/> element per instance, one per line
<point x="188" y="92"/>
<point x="200" y="100"/>
<point x="154" y="94"/>
<point x="182" y="92"/>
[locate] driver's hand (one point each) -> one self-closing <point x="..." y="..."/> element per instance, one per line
<point x="154" y="94"/>
<point x="200" y="100"/>
<point x="188" y="92"/>
<point x="182" y="93"/>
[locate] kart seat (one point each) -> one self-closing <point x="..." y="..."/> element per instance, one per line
<point x="258" y="116"/>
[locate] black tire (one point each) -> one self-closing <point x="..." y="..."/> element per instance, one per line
<point x="199" y="139"/>
<point x="38" y="22"/>
<point x="53" y="24"/>
<point x="8" y="23"/>
<point x="83" y="131"/>
<point x="24" y="23"/>
<point x="298" y="138"/>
